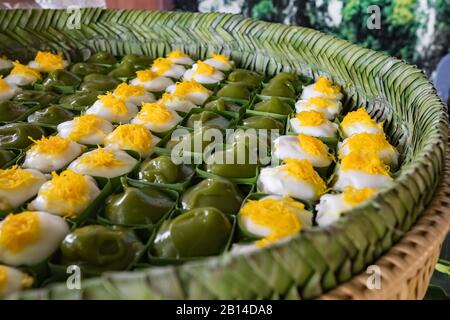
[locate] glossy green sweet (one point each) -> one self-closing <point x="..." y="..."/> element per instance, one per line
<point x="208" y="119"/>
<point x="138" y="61"/>
<point x="79" y="100"/>
<point x="162" y="170"/>
<point x="241" y="167"/>
<point x="16" y="135"/>
<point x="98" y="82"/>
<point x="61" y="78"/>
<point x="101" y="248"/>
<point x="44" y="98"/>
<point x="51" y="116"/>
<point x="213" y="192"/>
<point x="235" y="91"/>
<point x="250" y="78"/>
<point x="273" y="105"/>
<point x="222" y="105"/>
<point x="123" y="70"/>
<point x="279" y="89"/>
<point x="6" y="156"/>
<point x="10" y="111"/>
<point x="102" y="57"/>
<point x="138" y="206"/>
<point x="262" y="122"/>
<point x="197" y="233"/>
<point x="82" y="69"/>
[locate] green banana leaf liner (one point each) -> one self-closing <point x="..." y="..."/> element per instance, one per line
<point x="187" y="172"/>
<point x="58" y="271"/>
<point x="5" y="71"/>
<point x="331" y="142"/>
<point x="32" y="107"/>
<point x="245" y="236"/>
<point x="56" y="88"/>
<point x="125" y="182"/>
<point x="18" y="154"/>
<point x="204" y="174"/>
<point x="116" y="181"/>
<point x="160" y="147"/>
<point x="156" y="261"/>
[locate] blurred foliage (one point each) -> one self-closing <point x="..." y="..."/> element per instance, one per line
<point x="417" y="31"/>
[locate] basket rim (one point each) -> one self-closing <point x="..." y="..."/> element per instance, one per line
<point x="435" y="144"/>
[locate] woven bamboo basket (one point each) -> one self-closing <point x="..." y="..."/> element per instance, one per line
<point x="318" y="260"/>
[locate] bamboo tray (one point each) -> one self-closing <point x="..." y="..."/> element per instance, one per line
<point x="316" y="261"/>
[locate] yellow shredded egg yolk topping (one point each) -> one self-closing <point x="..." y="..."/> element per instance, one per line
<point x="154" y="112"/>
<point x="162" y="65"/>
<point x="356" y="196"/>
<point x="53" y="145"/>
<point x="313" y="146"/>
<point x="116" y="105"/>
<point x="176" y="54"/>
<point x="186" y="87"/>
<point x="166" y="97"/>
<point x="303" y="170"/>
<point x="85" y="125"/>
<point x="3" y="277"/>
<point x="204" y="69"/>
<point x="368" y="142"/>
<point x="125" y="90"/>
<point x="359" y="116"/>
<point x="146" y="75"/>
<point x="15" y="177"/>
<point x="132" y="136"/>
<point x="49" y="61"/>
<point x="3" y="85"/>
<point x="323" y="85"/>
<point x="20" y="230"/>
<point x="221" y="57"/>
<point x="279" y="215"/>
<point x="25" y="70"/>
<point x="68" y="186"/>
<point x="26" y="281"/>
<point x="366" y="162"/>
<point x="320" y="102"/>
<point x="311" y="118"/>
<point x="101" y="158"/>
